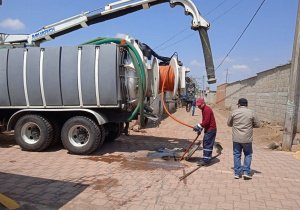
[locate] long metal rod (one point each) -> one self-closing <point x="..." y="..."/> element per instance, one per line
<point x="195" y="169"/>
<point x="189" y="147"/>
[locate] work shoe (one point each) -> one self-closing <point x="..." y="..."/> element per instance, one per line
<point x="237" y="176"/>
<point x="247" y="176"/>
<point x="202" y="163"/>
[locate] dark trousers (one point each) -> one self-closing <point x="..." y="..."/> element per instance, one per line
<point x="208" y="144"/>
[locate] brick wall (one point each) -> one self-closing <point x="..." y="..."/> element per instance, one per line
<point x="220" y="95"/>
<point x="266" y="93"/>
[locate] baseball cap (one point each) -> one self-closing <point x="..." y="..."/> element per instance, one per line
<point x="242" y="102"/>
<point x="200" y="101"/>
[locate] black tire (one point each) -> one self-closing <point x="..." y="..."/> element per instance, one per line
<point x="102" y="130"/>
<point x="56" y="133"/>
<point x="113" y="131"/>
<point x="33" y="133"/>
<point x="81" y="136"/>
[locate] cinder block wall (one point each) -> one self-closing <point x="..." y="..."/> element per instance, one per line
<point x="266" y="93"/>
<point x="210" y="97"/>
<point x="221" y="95"/>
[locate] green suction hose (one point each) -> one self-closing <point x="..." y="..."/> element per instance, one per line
<point x="138" y="64"/>
<point x="140" y="91"/>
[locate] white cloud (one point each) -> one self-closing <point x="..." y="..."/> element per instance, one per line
<point x="241" y="67"/>
<point x="195" y="63"/>
<point x="14" y="24"/>
<point x="121" y="36"/>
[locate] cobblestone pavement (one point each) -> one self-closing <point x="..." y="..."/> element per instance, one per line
<point x="125" y="175"/>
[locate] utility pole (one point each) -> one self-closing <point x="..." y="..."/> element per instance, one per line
<point x="227" y="76"/>
<point x="293" y="91"/>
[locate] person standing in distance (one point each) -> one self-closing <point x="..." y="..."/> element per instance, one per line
<point x="210" y="130"/>
<point x="242" y="120"/>
<point x="193" y="106"/>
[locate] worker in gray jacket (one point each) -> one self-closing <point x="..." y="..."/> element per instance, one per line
<point x="242" y="121"/>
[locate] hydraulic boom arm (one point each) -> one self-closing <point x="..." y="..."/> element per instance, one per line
<point x="111" y="11"/>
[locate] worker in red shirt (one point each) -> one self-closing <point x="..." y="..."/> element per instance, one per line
<point x="209" y="126"/>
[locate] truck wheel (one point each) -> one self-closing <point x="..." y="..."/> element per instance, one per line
<point x="81" y="135"/>
<point x="113" y="131"/>
<point x="33" y="133"/>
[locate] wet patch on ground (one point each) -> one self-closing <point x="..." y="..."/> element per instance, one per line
<point x="107" y="158"/>
<point x="166" y="154"/>
<point x="151" y="162"/>
<point x="105" y="184"/>
<point x="146" y="164"/>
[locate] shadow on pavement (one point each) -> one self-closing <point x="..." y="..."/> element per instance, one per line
<point x="253" y="171"/>
<point x="7" y="141"/>
<point x="38" y="193"/>
<point x="132" y="143"/>
<point x="196" y="159"/>
<point x="136" y="143"/>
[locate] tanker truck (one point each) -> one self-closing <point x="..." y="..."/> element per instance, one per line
<point x="82" y="95"/>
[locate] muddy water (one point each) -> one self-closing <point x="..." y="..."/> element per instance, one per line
<point x="107" y="159"/>
<point x="105" y="184"/>
<point x="139" y="163"/>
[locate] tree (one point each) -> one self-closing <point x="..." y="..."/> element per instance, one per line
<point x="197" y="84"/>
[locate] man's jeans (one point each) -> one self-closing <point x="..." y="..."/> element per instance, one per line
<point x="237" y="152"/>
<point x="193" y="110"/>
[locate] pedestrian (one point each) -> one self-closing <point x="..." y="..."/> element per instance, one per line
<point x="193" y="106"/>
<point x="209" y="126"/>
<point x="242" y="120"/>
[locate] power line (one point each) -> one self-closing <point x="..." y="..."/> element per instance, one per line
<point x="241" y="34"/>
<point x="174" y="43"/>
<point x="215" y="8"/>
<point x="180" y="32"/>
<point x="172" y="37"/>
<point x="224" y="13"/>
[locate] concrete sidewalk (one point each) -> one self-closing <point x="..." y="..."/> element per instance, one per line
<point x="122" y="175"/>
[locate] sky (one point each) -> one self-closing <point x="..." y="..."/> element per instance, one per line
<point x="267" y="43"/>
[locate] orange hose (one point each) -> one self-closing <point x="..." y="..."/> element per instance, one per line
<point x="164" y="78"/>
<point x="166" y="73"/>
<point x="162" y="92"/>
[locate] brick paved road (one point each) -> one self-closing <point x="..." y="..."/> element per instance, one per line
<point x="124" y="175"/>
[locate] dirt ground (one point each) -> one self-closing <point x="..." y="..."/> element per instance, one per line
<point x="267" y="135"/>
